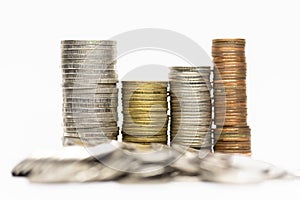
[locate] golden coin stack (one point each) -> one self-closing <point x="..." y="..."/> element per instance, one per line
<point x="191" y="110"/>
<point x="232" y="134"/>
<point x="145" y="106"/>
<point x="90" y="95"/>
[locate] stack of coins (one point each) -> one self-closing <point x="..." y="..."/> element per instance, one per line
<point x="232" y="133"/>
<point x="89" y="91"/>
<point x="191" y="106"/>
<point x="145" y="106"/>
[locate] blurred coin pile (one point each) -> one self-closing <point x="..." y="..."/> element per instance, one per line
<point x="145" y="107"/>
<point x="89" y="91"/>
<point x="230" y="100"/>
<point x="191" y="107"/>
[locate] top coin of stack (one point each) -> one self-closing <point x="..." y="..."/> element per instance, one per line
<point x="89" y="91"/>
<point x="145" y="107"/>
<point x="230" y="99"/>
<point x="190" y="106"/>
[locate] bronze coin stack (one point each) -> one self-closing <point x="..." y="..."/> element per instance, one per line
<point x="90" y="95"/>
<point x="145" y="106"/>
<point x="191" y="106"/>
<point x="232" y="133"/>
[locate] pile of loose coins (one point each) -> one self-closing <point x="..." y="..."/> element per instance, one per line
<point x="232" y="133"/>
<point x="145" y="107"/>
<point x="191" y="107"/>
<point x="89" y="91"/>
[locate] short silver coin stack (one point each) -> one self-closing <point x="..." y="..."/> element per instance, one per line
<point x="191" y="111"/>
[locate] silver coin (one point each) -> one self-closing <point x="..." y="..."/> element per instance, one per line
<point x="192" y="143"/>
<point x="191" y="133"/>
<point x="190" y="121"/>
<point x="89" y="81"/>
<point x="89" y="110"/>
<point x="191" y="138"/>
<point x="88" y="71"/>
<point x="101" y="52"/>
<point x="91" y="129"/>
<point x="189" y="73"/>
<point x="108" y="87"/>
<point x="90" y="100"/>
<point x="190" y="68"/>
<point x="90" y="90"/>
<point x="80" y="105"/>
<point x="86" y="62"/>
<point x="178" y="104"/>
<point x="203" y="136"/>
<point x="190" y="126"/>
<point x="94" y="131"/>
<point x="78" y="122"/>
<point x="88" y="124"/>
<point x="191" y="100"/>
<point x="87" y="66"/>
<point x="183" y="79"/>
<point x="182" y="92"/>
<point x="65" y="59"/>
<point x="190" y="89"/>
<point x="91" y="135"/>
<point x="94" y="50"/>
<point x="195" y="141"/>
<point x="91" y="94"/>
<point x="89" y="86"/>
<point x="102" y="116"/>
<point x="193" y="119"/>
<point x="89" y="42"/>
<point x="88" y="75"/>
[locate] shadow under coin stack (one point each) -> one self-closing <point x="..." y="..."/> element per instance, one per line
<point x="89" y="91"/>
<point x="230" y="101"/>
<point x="145" y="107"/>
<point x="191" y="112"/>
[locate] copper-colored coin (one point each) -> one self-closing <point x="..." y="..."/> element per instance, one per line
<point x="229" y="40"/>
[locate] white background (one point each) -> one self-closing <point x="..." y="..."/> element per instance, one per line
<point x="31" y="96"/>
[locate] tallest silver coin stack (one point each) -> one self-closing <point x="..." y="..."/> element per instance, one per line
<point x="90" y="94"/>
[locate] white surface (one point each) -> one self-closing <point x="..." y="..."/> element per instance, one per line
<point x="31" y="96"/>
